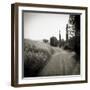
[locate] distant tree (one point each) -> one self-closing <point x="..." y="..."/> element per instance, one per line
<point x="62" y="42"/>
<point x="53" y="41"/>
<point x="45" y="40"/>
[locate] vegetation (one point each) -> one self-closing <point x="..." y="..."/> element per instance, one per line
<point x="45" y="40"/>
<point x="35" y="57"/>
<point x="62" y="42"/>
<point x="74" y="42"/>
<point x="53" y="41"/>
<point x="70" y="45"/>
<point x="75" y="21"/>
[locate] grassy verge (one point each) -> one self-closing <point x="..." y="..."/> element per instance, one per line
<point x="36" y="54"/>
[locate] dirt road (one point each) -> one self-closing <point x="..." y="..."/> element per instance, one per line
<point x="61" y="63"/>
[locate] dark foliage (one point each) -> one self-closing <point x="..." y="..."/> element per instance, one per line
<point x="45" y="40"/>
<point x="62" y="42"/>
<point x="53" y="41"/>
<point x="34" y="60"/>
<point x="74" y="42"/>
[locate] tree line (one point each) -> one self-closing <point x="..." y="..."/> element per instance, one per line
<point x="72" y="42"/>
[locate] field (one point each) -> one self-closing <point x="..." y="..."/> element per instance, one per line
<point x="36" y="54"/>
<point x="41" y="59"/>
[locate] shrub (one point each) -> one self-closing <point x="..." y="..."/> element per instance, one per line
<point x="53" y="41"/>
<point x="67" y="47"/>
<point x="45" y="40"/>
<point x="34" y="59"/>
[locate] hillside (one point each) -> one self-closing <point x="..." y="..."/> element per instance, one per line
<point x="45" y="60"/>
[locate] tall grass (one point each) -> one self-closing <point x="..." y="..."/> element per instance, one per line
<point x="35" y="58"/>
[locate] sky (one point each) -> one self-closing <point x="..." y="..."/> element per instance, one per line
<point x="39" y="26"/>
